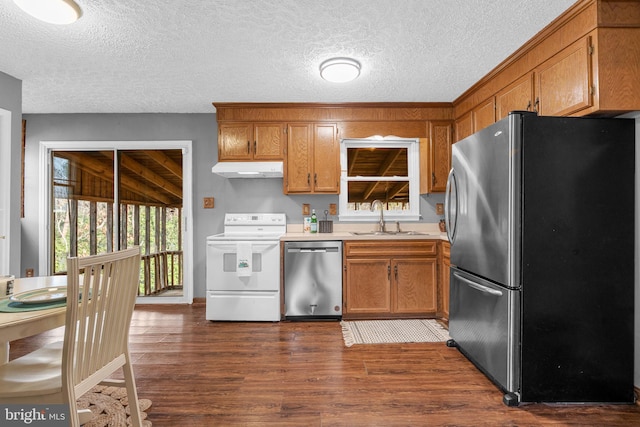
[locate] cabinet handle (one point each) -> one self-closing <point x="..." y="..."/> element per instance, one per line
<point x="309" y="179"/>
<point x="433" y="178"/>
<point x="395" y="272"/>
<point x="255" y="147"/>
<point x="537" y="105"/>
<point x="529" y="106"/>
<point x="248" y="147"/>
<point x="315" y="179"/>
<point x="389" y="272"/>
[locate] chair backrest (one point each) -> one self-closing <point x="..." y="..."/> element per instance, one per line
<point x="101" y="295"/>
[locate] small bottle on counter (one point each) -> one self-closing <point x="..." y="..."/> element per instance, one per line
<point x="314" y="221"/>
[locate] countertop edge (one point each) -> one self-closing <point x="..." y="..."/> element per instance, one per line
<point x="345" y="235"/>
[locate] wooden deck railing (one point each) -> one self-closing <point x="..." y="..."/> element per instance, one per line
<point x="160" y="272"/>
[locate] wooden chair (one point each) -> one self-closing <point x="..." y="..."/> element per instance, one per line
<point x="101" y="295"/>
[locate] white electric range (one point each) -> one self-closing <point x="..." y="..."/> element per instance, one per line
<point x="243" y="268"/>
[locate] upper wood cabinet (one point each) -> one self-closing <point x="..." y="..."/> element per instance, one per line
<point x="484" y="114"/>
<point x="585" y="62"/>
<point x="563" y="83"/>
<point x="464" y="126"/>
<point x="312" y="162"/>
<point x="249" y="141"/>
<point x="435" y="157"/>
<point x="518" y="96"/>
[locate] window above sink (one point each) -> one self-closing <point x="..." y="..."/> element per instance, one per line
<point x="380" y="168"/>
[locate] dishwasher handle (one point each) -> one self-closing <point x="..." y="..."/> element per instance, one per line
<point x="312" y="250"/>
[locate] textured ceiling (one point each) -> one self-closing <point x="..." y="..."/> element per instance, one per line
<point x="180" y="56"/>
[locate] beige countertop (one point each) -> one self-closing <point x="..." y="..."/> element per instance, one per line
<point x="347" y="232"/>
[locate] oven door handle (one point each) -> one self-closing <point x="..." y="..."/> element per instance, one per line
<point x="478" y="286"/>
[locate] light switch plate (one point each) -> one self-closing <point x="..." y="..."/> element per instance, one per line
<point x="208" y="202"/>
<point x="332" y="209"/>
<point x="306" y="209"/>
<point x="439" y="209"/>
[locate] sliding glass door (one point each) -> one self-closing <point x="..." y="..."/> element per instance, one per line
<point x="105" y="200"/>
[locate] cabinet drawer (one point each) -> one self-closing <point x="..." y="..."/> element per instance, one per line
<point x="391" y="247"/>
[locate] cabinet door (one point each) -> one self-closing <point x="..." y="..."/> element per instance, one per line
<point x="444" y="279"/>
<point x="518" y="96"/>
<point x="234" y="141"/>
<point x="414" y="285"/>
<point x="298" y="159"/>
<point x="563" y="83"/>
<point x="464" y="126"/>
<point x="484" y="115"/>
<point x="440" y="139"/>
<point x="445" y="289"/>
<point x="268" y="141"/>
<point x="368" y="289"/>
<point x="326" y="159"/>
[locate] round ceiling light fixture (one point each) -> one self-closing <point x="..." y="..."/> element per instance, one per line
<point x="59" y="12"/>
<point x="339" y="70"/>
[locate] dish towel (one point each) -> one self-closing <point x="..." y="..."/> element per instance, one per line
<point x="244" y="258"/>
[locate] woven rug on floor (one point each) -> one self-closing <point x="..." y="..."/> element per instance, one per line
<point x="392" y="331"/>
<point x="110" y="407"/>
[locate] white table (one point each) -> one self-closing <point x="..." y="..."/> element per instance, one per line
<point x="14" y="326"/>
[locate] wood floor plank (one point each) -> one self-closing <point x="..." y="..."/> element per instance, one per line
<point x="201" y="373"/>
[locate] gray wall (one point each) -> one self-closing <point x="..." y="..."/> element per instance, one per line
<point x="11" y="100"/>
<point x="231" y="195"/>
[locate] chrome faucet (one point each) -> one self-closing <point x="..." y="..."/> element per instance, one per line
<point x="381" y="206"/>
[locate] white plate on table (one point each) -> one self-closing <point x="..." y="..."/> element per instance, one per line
<point x="41" y="296"/>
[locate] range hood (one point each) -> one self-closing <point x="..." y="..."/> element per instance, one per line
<point x="248" y="169"/>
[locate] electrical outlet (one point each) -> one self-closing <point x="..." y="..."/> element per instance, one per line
<point x="333" y="210"/>
<point x="306" y="209"/>
<point x="439" y="209"/>
<point x="207" y="202"/>
<point x="29" y="272"/>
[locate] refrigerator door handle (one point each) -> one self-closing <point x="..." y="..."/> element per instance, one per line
<point x="451" y="225"/>
<point x="481" y="288"/>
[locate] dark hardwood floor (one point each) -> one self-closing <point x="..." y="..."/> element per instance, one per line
<point x="201" y="373"/>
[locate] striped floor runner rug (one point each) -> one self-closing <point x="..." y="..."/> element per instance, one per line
<point x="392" y="331"/>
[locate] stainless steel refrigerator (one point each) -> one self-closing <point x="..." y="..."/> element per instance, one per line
<point x="540" y="216"/>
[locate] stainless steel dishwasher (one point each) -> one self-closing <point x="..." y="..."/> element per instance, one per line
<point x="313" y="280"/>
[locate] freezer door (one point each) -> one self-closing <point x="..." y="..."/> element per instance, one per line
<point x="483" y="323"/>
<point x="483" y="202"/>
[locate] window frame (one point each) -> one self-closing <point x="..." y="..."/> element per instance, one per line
<point x="413" y="170"/>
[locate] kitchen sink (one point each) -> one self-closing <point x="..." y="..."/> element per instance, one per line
<point x="387" y="233"/>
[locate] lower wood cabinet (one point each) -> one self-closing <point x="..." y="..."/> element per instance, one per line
<point x="385" y="279"/>
<point x="443" y="283"/>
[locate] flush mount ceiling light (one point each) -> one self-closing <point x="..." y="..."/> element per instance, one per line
<point x="340" y="70"/>
<point x="58" y="12"/>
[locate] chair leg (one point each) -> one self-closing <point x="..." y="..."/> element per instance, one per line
<point x="132" y="394"/>
<point x="84" y="416"/>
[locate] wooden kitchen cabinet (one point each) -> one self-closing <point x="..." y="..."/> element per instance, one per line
<point x="312" y="163"/>
<point x="583" y="63"/>
<point x="443" y="283"/>
<point x="518" y="96"/>
<point x="387" y="279"/>
<point x="435" y="157"/>
<point x="464" y="126"/>
<point x="564" y="83"/>
<point x="369" y="286"/>
<point x="251" y="141"/>
<point x="484" y="114"/>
